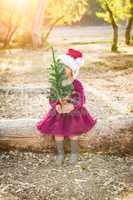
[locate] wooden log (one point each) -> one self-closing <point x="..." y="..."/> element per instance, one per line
<point x="113" y="135"/>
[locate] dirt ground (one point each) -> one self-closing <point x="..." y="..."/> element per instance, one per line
<point x="27" y="175"/>
<point x="108" y="82"/>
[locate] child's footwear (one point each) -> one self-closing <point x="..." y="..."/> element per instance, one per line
<point x="73" y="158"/>
<point x="60" y="152"/>
<point x="74" y="148"/>
<point x="59" y="160"/>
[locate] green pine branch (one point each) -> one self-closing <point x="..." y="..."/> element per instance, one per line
<point x="56" y="77"/>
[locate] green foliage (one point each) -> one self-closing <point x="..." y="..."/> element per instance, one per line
<point x="70" y="11"/>
<point x="128" y="8"/>
<point x="22" y="17"/>
<point x="116" y="7"/>
<point x="56" y="77"/>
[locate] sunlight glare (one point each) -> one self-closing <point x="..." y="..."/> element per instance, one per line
<point x="17" y="3"/>
<point x="21" y="2"/>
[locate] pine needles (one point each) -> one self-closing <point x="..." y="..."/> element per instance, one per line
<point x="56" y="77"/>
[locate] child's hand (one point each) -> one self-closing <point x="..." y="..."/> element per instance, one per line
<point x="66" y="108"/>
<point x="64" y="100"/>
<point x="58" y="108"/>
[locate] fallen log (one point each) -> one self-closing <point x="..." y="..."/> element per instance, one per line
<point x="113" y="135"/>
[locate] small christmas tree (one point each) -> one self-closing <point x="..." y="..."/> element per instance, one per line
<point x="56" y="77"/>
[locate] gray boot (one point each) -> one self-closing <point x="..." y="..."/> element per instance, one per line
<point x="60" y="152"/>
<point x="74" y="150"/>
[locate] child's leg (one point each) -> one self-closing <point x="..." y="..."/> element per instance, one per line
<point x="59" y="140"/>
<point x="74" y="137"/>
<point x="74" y="148"/>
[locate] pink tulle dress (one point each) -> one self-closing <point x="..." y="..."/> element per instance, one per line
<point x="74" y="123"/>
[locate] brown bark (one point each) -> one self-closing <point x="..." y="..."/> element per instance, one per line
<point x="52" y="27"/>
<point x="36" y="36"/>
<point x="9" y="36"/>
<point x="129" y="26"/>
<point x="12" y="29"/>
<point x="115" y="28"/>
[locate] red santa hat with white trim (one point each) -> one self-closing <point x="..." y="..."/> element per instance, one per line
<point x="73" y="59"/>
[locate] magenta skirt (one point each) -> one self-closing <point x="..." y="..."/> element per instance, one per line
<point x="74" y="123"/>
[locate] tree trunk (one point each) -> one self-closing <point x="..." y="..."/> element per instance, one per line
<point x="115" y="29"/>
<point x="115" y="38"/>
<point x="128" y="31"/>
<point x="51" y="28"/>
<point x="129" y="26"/>
<point x="36" y="36"/>
<point x="12" y="29"/>
<point x="9" y="36"/>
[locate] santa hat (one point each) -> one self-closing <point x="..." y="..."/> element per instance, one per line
<point x="73" y="59"/>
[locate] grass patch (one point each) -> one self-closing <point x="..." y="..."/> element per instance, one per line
<point x="92" y="42"/>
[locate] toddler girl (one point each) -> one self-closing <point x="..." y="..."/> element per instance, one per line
<point x="73" y="119"/>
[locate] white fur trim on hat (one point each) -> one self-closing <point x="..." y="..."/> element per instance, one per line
<point x="80" y="61"/>
<point x="74" y="64"/>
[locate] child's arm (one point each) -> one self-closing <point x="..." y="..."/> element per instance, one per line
<point x="81" y="95"/>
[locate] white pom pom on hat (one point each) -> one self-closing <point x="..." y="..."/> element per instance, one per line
<point x="73" y="59"/>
